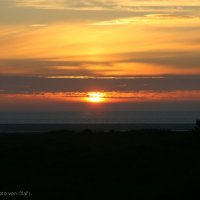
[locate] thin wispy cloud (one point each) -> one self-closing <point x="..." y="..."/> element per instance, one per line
<point x="66" y="4"/>
<point x="105" y="4"/>
<point x="152" y="19"/>
<point x="39" y="25"/>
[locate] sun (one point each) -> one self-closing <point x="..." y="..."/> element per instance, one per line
<point x="95" y="97"/>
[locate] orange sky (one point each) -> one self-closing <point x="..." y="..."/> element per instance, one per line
<point x="161" y="40"/>
<point x="99" y="40"/>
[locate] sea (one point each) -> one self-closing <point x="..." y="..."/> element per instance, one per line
<point x="96" y="120"/>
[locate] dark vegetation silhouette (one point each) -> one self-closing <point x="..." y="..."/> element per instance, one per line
<point x="197" y="126"/>
<point x="138" y="164"/>
<point x="196" y="129"/>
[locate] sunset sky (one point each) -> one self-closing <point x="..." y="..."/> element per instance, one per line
<point x="59" y="55"/>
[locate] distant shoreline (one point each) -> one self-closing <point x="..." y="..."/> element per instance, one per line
<point x="40" y="128"/>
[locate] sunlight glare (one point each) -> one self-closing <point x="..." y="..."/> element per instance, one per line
<point x="95" y="97"/>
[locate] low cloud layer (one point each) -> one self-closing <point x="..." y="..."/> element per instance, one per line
<point x="31" y="85"/>
<point x="182" y="61"/>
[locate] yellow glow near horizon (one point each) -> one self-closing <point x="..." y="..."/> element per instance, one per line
<point x="95" y="97"/>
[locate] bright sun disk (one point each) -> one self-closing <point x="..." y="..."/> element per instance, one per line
<point x="95" y="97"/>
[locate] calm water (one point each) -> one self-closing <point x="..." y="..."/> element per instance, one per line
<point x="43" y="122"/>
<point x="100" y="118"/>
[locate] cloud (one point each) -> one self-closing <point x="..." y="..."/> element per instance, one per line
<point x="2" y="90"/>
<point x="31" y="85"/>
<point x="47" y="11"/>
<point x="173" y="59"/>
<point x="169" y="5"/>
<point x="120" y="64"/>
<point x="66" y="4"/>
<point x="48" y="62"/>
<point x="152" y="19"/>
<point x="39" y="25"/>
<point x="49" y="67"/>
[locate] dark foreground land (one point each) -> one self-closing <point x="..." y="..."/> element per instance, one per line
<point x="146" y="164"/>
